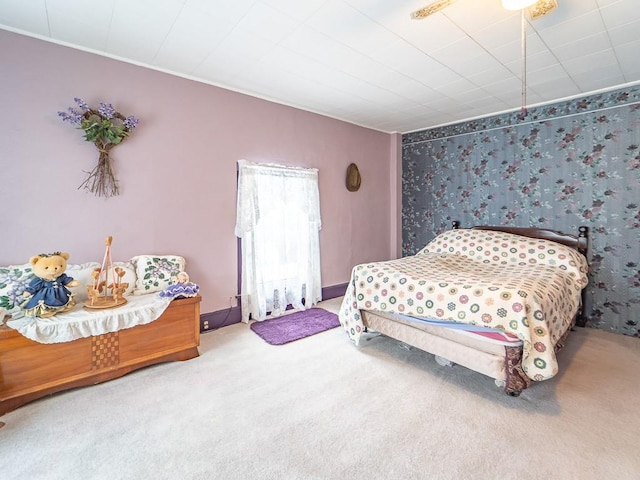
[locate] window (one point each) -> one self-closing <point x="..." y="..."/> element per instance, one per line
<point x="278" y="220"/>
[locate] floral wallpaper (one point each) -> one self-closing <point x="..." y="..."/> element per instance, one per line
<point x="561" y="166"/>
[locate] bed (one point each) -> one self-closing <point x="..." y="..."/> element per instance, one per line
<point x="498" y="300"/>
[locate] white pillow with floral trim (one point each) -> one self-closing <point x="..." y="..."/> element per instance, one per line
<point x="13" y="280"/>
<point x="154" y="272"/>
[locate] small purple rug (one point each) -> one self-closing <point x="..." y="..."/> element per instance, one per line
<point x="295" y="326"/>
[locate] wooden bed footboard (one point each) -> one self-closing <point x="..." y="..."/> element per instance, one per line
<point x="31" y="370"/>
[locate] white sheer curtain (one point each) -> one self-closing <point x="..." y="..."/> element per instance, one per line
<point x="278" y="219"/>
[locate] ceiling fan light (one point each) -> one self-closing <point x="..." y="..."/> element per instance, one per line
<point x="517" y="4"/>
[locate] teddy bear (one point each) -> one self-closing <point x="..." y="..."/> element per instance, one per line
<point x="47" y="294"/>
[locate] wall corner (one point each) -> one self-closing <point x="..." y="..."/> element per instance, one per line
<point x="395" y="196"/>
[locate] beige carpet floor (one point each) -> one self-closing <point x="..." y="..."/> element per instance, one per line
<point x="321" y="408"/>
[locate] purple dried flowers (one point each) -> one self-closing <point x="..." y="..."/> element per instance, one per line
<point x="102" y="126"/>
<point x="82" y="104"/>
<point x="131" y="122"/>
<point x="73" y="116"/>
<point x="106" y="111"/>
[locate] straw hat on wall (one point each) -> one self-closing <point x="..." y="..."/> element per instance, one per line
<point x="353" y="178"/>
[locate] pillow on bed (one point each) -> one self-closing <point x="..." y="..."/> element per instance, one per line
<point x="489" y="246"/>
<point x="154" y="272"/>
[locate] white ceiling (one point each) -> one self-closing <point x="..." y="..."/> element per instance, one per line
<point x="363" y="61"/>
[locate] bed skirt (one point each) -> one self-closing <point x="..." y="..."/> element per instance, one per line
<point x="499" y="362"/>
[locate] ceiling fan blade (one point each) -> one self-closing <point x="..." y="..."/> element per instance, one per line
<point x="541" y="8"/>
<point x="537" y="10"/>
<point x="430" y="9"/>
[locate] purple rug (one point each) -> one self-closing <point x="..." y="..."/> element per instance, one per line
<point x="295" y="326"/>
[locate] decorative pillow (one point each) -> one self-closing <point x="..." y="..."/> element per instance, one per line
<point x="13" y="280"/>
<point x="81" y="273"/>
<point x="154" y="272"/>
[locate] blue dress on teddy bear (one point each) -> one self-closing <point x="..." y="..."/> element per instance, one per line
<point x="48" y="296"/>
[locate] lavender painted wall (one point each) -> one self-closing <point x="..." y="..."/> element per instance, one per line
<point x="177" y="171"/>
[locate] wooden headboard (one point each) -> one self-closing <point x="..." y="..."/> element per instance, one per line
<point x="580" y="242"/>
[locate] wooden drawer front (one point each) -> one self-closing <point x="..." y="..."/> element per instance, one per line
<point x="175" y="330"/>
<point x="25" y="364"/>
<point x="31" y="370"/>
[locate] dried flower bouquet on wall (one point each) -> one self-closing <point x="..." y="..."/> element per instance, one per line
<point x="105" y="128"/>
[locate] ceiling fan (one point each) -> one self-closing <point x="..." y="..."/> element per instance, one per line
<point x="536" y="10"/>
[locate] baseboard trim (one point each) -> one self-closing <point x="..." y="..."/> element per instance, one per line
<point x="222" y="318"/>
<point x="334" y="291"/>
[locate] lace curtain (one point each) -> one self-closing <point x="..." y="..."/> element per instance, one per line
<point x="278" y="220"/>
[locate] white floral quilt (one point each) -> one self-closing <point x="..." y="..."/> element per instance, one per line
<point x="524" y="286"/>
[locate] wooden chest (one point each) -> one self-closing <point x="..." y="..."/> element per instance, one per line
<point x="31" y="370"/>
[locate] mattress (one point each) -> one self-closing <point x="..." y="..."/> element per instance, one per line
<point x="483" y="334"/>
